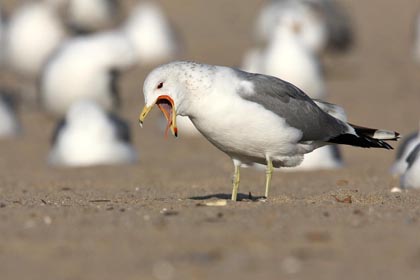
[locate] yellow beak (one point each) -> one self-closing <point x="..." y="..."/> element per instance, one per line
<point x="144" y="113"/>
<point x="167" y="106"/>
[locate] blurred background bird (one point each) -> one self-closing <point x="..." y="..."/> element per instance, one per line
<point x="75" y="52"/>
<point x="91" y="16"/>
<point x="9" y="124"/>
<point x="90" y="136"/>
<point x="151" y="34"/>
<point x="416" y="38"/>
<point x="85" y="67"/>
<point x="34" y="32"/>
<point x="411" y="176"/>
<point x="404" y="149"/>
<point x="294" y="35"/>
<point x="330" y="24"/>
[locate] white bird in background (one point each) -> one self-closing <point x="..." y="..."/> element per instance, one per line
<point x="86" y="16"/>
<point x="287" y="58"/>
<point x="327" y="23"/>
<point x="416" y="33"/>
<point x="89" y="136"/>
<point x="298" y="33"/>
<point x="312" y="24"/>
<point x="86" y="68"/>
<point x="411" y="176"/>
<point x="251" y="117"/>
<point x="34" y="32"/>
<point x="9" y="125"/>
<point x="151" y="34"/>
<point x="404" y="149"/>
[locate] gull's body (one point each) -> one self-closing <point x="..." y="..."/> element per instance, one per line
<point x="89" y="136"/>
<point x="411" y="176"/>
<point x="324" y="158"/>
<point x="253" y="118"/>
<point x="85" y="67"/>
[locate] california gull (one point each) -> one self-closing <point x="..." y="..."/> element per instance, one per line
<point x="253" y="118"/>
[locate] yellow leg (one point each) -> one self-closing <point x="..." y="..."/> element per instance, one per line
<point x="236" y="177"/>
<point x="268" y="174"/>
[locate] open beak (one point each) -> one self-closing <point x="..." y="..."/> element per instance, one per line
<point x="167" y="106"/>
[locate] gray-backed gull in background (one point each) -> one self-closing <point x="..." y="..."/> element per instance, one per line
<point x="151" y="34"/>
<point x="253" y="118"/>
<point x="85" y="67"/>
<point x="33" y="33"/>
<point x="404" y="149"/>
<point x="9" y="125"/>
<point x="411" y="176"/>
<point x="90" y="136"/>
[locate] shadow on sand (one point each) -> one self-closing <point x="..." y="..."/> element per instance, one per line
<point x="241" y="197"/>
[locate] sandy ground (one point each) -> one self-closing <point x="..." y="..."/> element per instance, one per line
<point x="150" y="220"/>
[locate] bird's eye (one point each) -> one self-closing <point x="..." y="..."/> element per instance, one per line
<point x="160" y="85"/>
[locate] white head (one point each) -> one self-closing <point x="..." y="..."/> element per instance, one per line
<point x="170" y="87"/>
<point x="162" y="87"/>
<point x="305" y="22"/>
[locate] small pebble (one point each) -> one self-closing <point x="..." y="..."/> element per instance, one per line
<point x="396" y="190"/>
<point x="220" y="202"/>
<point x="47" y="220"/>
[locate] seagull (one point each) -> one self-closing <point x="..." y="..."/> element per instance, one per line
<point x="34" y="32"/>
<point x="90" y="16"/>
<point x="89" y="136"/>
<point x="288" y="58"/>
<point x="9" y="124"/>
<point x="312" y="23"/>
<point x="327" y="23"/>
<point x="407" y="146"/>
<point x="411" y="177"/>
<point x="151" y="34"/>
<point x="86" y="67"/>
<point x="253" y="118"/>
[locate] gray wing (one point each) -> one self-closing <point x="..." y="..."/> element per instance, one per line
<point x="292" y="104"/>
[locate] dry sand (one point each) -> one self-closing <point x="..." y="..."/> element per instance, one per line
<point x="151" y="221"/>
